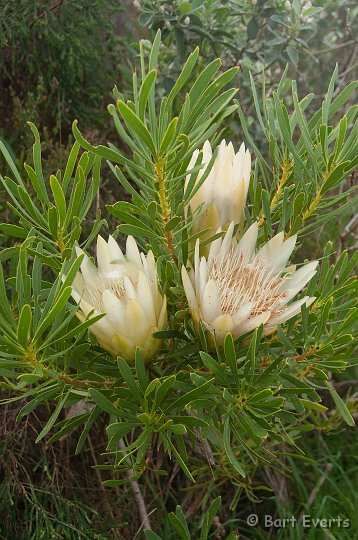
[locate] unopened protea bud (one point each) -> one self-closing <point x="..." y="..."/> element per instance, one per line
<point x="222" y="196"/>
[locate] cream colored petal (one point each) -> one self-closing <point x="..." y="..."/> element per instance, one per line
<point x="271" y="248"/>
<point x="227" y="242"/>
<point x="150" y="269"/>
<point x="114" y="308"/>
<point x="132" y="252"/>
<point x="103" y="258"/>
<point x="162" y="319"/>
<point x="151" y="346"/>
<point x="76" y="295"/>
<point x="248" y="241"/>
<point x="136" y="321"/>
<point x="238" y="171"/>
<point x="88" y="269"/>
<point x="131" y="293"/>
<point x="211" y="307"/>
<point x="207" y="152"/>
<point x="146" y="298"/>
<point x="221" y="326"/>
<point x="197" y="269"/>
<point x="296" y="287"/>
<point x="254" y="322"/>
<point x="247" y="171"/>
<point x="210" y="219"/>
<point x="192" y="162"/>
<point x="237" y="203"/>
<point x="103" y="329"/>
<point x="203" y="277"/>
<point x="243" y="313"/>
<point x="86" y="307"/>
<point x="123" y="346"/>
<point x="214" y="249"/>
<point x="298" y="276"/>
<point x="189" y="290"/>
<point x="78" y="284"/>
<point x="279" y="262"/>
<point x="291" y="310"/>
<point x="115" y="252"/>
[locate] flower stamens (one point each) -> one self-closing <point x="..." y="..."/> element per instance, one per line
<point x="241" y="279"/>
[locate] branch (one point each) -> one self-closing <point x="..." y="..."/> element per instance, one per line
<point x="136" y="492"/>
<point x="159" y="171"/>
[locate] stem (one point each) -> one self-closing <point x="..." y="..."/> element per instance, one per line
<point x="136" y="492"/>
<point x="286" y="168"/>
<point x="307" y="354"/>
<point x="59" y="241"/>
<point x="312" y="207"/>
<point x="79" y="382"/>
<point x="164" y="204"/>
<point x="99" y="479"/>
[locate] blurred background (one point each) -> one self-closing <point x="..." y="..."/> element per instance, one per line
<point x="59" y="60"/>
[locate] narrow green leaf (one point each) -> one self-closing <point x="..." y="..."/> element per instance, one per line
<point x="135" y="124"/>
<point x="24" y="325"/>
<point x="59" y="198"/>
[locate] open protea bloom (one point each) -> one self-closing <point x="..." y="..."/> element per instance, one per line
<point x="222" y="196"/>
<point x="125" y="288"/>
<point x="236" y="289"/>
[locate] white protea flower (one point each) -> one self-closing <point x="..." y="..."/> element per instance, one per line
<point x="236" y="290"/>
<point x="125" y="288"/>
<point x="221" y="198"/>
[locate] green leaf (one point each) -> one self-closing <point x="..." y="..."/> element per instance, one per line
<point x="103" y="403"/>
<point x="51" y="421"/>
<point x="163" y="389"/>
<point x="52" y="218"/>
<point x="150" y="535"/>
<point x="96" y="411"/>
<point x="335" y="177"/>
<point x="179" y="524"/>
<point x="126" y="373"/>
<point x="229" y="452"/>
<point x="140" y="369"/>
<point x="341" y="406"/>
<point x="182" y="401"/>
<point x="70" y="165"/>
<point x="187" y="69"/>
<point x="169" y="135"/>
<point x="145" y="90"/>
<point x="54" y="311"/>
<point x="203" y="80"/>
<point x="136" y="125"/>
<point x="13" y="230"/>
<point x="36" y="151"/>
<point x="24" y="325"/>
<point x="59" y="198"/>
<point x="209" y="517"/>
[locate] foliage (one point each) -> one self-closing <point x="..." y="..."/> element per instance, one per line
<point x="259" y="31"/>
<point x="244" y="404"/>
<point x="254" y="34"/>
<point x="53" y="66"/>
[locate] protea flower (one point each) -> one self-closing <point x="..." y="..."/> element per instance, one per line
<point x="125" y="288"/>
<point x="221" y="198"/>
<point x="236" y="290"/>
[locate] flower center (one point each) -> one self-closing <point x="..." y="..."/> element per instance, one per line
<point x="112" y="281"/>
<point x="241" y="279"/>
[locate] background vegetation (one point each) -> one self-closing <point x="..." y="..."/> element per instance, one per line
<point x="59" y="61"/>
